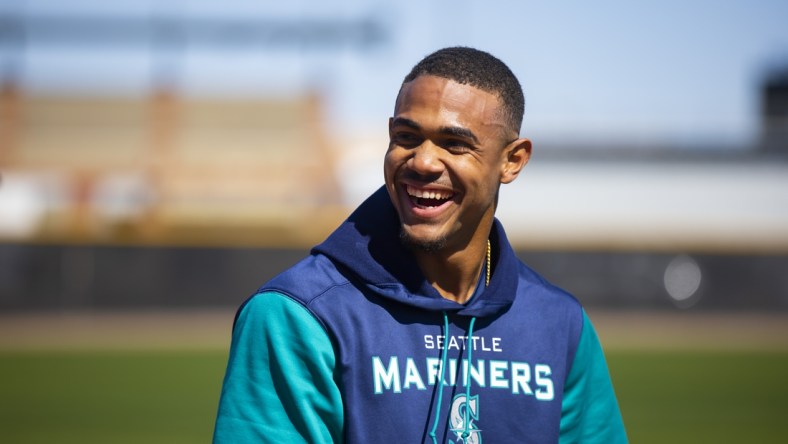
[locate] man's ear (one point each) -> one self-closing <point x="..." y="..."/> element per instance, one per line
<point x="515" y="156"/>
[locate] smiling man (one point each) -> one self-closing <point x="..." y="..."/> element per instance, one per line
<point x="451" y="147"/>
<point x="414" y="321"/>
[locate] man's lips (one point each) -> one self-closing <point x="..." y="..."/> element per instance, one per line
<point x="428" y="193"/>
<point x="426" y="201"/>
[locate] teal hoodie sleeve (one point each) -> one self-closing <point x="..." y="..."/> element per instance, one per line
<point x="590" y="413"/>
<point x="279" y="385"/>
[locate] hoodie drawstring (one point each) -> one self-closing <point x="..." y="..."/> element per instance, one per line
<point x="487" y="270"/>
<point x="466" y="431"/>
<point x="440" y="379"/>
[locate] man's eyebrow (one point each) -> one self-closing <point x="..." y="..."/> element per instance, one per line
<point x="456" y="131"/>
<point x="459" y="131"/>
<point x="405" y="122"/>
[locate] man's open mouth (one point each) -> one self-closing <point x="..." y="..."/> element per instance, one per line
<point x="428" y="198"/>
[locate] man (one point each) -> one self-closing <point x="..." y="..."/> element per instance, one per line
<point x="414" y="321"/>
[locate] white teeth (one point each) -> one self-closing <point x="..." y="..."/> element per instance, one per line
<point x="428" y="194"/>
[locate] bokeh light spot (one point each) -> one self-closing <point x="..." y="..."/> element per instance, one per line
<point x="682" y="280"/>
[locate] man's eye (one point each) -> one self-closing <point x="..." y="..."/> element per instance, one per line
<point x="406" y="139"/>
<point x="456" y="146"/>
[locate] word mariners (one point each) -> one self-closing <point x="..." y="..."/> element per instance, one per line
<point x="519" y="377"/>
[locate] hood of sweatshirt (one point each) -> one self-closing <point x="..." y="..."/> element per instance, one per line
<point x="367" y="249"/>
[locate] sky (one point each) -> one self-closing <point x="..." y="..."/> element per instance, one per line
<point x="677" y="72"/>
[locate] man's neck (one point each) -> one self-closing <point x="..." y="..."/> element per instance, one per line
<point x="455" y="273"/>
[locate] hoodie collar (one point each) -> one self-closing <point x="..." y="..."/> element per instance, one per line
<point x="367" y="249"/>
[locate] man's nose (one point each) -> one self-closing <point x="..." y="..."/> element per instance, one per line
<point x="426" y="159"/>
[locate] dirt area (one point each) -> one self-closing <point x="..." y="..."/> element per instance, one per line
<point x="210" y="329"/>
<point x="691" y="330"/>
<point x="197" y="329"/>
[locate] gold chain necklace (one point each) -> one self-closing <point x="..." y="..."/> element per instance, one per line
<point x="487" y="278"/>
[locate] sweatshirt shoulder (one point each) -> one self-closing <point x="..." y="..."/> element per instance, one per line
<point x="538" y="286"/>
<point x="308" y="279"/>
<point x="302" y="283"/>
<point x="550" y="306"/>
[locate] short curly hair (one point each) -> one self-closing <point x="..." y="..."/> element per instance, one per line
<point x="479" y="69"/>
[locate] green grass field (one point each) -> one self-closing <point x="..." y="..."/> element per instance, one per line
<point x="109" y="397"/>
<point x="702" y="396"/>
<point x="170" y="396"/>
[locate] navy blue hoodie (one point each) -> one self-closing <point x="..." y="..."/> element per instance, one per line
<point x="349" y="345"/>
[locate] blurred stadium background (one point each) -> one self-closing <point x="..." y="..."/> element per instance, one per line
<point x="160" y="161"/>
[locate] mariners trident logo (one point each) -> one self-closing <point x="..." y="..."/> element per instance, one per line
<point x="459" y="406"/>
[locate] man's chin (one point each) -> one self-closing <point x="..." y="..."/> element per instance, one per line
<point x="432" y="245"/>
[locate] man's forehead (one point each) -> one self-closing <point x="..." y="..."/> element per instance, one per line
<point x="432" y="87"/>
<point x="449" y="96"/>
